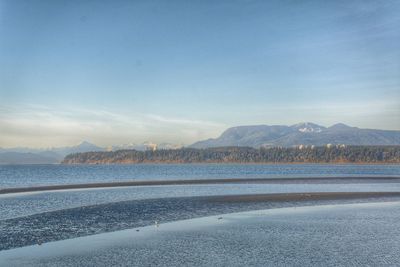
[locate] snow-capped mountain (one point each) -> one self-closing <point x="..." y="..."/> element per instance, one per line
<point x="300" y="134"/>
<point x="308" y="127"/>
<point x="21" y="155"/>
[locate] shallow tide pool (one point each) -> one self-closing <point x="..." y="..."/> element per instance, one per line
<point x="329" y="235"/>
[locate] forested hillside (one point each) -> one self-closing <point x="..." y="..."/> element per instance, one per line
<point x="334" y="154"/>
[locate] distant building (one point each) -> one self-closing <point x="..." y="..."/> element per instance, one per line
<point x="267" y="145"/>
<point x="151" y="146"/>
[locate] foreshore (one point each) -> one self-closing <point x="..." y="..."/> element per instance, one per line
<point x="289" y="197"/>
<point x="333" y="224"/>
<point x="306" y="180"/>
<point x="114" y="216"/>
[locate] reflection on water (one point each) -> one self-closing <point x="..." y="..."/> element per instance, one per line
<point x="340" y="235"/>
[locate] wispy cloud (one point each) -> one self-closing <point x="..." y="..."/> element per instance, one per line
<point x="43" y="126"/>
<point x="180" y="121"/>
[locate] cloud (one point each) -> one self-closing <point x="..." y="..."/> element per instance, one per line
<point x="42" y="126"/>
<point x="45" y="126"/>
<point x="180" y="121"/>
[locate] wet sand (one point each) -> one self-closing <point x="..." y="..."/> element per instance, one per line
<point x="330" y="180"/>
<point x="114" y="216"/>
<point x="290" y="197"/>
<point x="328" y="235"/>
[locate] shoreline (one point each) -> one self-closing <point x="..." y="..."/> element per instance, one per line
<point x="297" y="180"/>
<point x="224" y="163"/>
<point x="203" y="163"/>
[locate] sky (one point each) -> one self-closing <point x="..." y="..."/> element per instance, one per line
<point x="115" y="72"/>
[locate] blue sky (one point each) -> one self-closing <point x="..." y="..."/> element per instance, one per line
<point x="116" y="72"/>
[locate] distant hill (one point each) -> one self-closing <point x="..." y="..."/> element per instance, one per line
<point x="256" y="136"/>
<point x="25" y="155"/>
<point x="300" y="134"/>
<point x="82" y="147"/>
<point x="22" y="155"/>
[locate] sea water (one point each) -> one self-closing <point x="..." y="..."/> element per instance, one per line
<point x="34" y="175"/>
<point x="365" y="234"/>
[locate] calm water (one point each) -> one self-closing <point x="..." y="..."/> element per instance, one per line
<point x="30" y="175"/>
<point x="29" y="218"/>
<point x="334" y="235"/>
<point x="20" y="205"/>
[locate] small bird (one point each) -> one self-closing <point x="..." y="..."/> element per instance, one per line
<point x="156" y="223"/>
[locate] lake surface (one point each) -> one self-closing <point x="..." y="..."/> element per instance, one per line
<point x="34" y="175"/>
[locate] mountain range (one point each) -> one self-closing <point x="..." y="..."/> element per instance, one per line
<point x="306" y="133"/>
<point x="22" y="155"/>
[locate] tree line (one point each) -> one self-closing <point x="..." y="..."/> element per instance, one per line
<point x="323" y="154"/>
